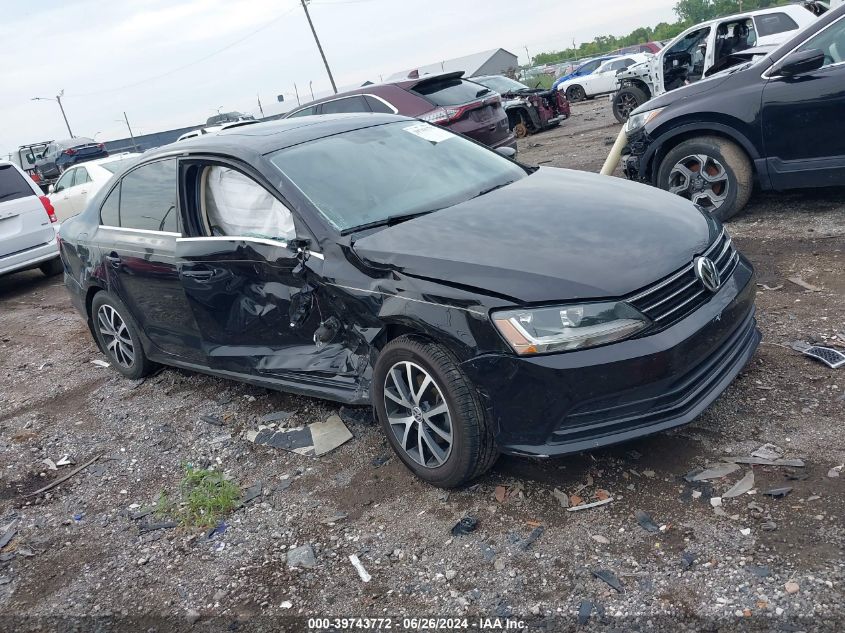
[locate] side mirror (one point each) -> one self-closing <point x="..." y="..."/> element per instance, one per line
<point x="799" y="63"/>
<point x="507" y="152"/>
<point x="51" y="189"/>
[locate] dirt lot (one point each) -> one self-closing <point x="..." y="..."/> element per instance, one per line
<point x="79" y="557"/>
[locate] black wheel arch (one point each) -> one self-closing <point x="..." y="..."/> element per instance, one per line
<point x="666" y="141"/>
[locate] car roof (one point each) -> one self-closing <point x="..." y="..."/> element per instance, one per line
<point x="76" y="140"/>
<point x="248" y="141"/>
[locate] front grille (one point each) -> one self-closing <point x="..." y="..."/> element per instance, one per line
<point x="680" y="294"/>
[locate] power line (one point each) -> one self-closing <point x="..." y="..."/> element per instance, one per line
<point x="193" y="63"/>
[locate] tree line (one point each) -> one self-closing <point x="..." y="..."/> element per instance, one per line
<point x="689" y="12"/>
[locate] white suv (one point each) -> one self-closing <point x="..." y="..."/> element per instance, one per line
<point x="27" y="225"/>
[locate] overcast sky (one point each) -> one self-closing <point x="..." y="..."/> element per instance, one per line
<point x="172" y="63"/>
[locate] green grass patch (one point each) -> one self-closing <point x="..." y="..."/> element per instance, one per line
<point x="206" y="497"/>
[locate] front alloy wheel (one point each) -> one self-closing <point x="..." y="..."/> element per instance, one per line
<point x="701" y="179"/>
<point x="418" y="414"/>
<point x="431" y="413"/>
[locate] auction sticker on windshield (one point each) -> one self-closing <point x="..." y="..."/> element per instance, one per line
<point x="429" y="132"/>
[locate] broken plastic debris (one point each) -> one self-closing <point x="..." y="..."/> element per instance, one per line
<point x="598" y="538"/>
<point x="778" y="492"/>
<point x="741" y="487"/>
<point x="536" y="533"/>
<point x="314" y="440"/>
<point x="356" y="415"/>
<point x="758" y="461"/>
<point x="831" y="357"/>
<point x="587" y="506"/>
<point x="251" y="493"/>
<point x="716" y="471"/>
<point x="609" y="577"/>
<point x="275" y="416"/>
<point x="745" y="531"/>
<point x="646" y="522"/>
<point x="356" y="563"/>
<point x="213" y="420"/>
<point x="143" y="527"/>
<point x="51" y="465"/>
<point x="465" y="526"/>
<point x="806" y="286"/>
<point x="584" y="611"/>
<point x="501" y="494"/>
<point x="768" y="451"/>
<point x="562" y="497"/>
<point x="220" y="528"/>
<point x="687" y="559"/>
<point x="100" y="363"/>
<point x="833" y="473"/>
<point x="8" y="534"/>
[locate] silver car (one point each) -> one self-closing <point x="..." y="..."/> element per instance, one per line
<point x="27" y="225"/>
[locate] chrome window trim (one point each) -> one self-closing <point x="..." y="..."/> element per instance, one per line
<point x="147" y="231"/>
<point x="766" y="74"/>
<point x="357" y="94"/>
<point x="257" y="240"/>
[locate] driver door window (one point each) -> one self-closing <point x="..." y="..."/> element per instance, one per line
<point x="237" y="206"/>
<point x="66" y="181"/>
<point x="831" y="42"/>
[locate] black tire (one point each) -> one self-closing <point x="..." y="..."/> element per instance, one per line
<point x="52" y="267"/>
<point x="626" y="101"/>
<point x="576" y="93"/>
<point x="472" y="451"/>
<point x="721" y="152"/>
<point x="140" y="366"/>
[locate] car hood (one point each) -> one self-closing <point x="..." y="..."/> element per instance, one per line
<point x="689" y="91"/>
<point x="556" y="235"/>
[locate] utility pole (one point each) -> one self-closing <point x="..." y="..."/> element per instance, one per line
<point x="132" y="136"/>
<point x="529" y="55"/>
<point x="57" y="99"/>
<point x="319" y="46"/>
<point x="296" y="90"/>
<point x="311" y="87"/>
<point x="260" y="109"/>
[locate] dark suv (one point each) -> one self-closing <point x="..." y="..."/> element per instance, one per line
<point x="776" y="123"/>
<point x="59" y="155"/>
<point x="448" y="100"/>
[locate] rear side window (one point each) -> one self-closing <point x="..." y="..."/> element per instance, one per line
<point x="348" y="104"/>
<point x="304" y="112"/>
<point x="110" y="212"/>
<point x="148" y="198"/>
<point x="377" y="105"/>
<point x="448" y="92"/>
<point x="12" y="185"/>
<point x="774" y="23"/>
<point x="81" y="176"/>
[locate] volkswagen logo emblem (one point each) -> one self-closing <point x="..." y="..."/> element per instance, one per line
<point x="707" y="273"/>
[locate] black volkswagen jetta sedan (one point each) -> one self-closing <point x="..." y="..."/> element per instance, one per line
<point x="480" y="306"/>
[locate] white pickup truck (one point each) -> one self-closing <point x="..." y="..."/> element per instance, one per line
<point x="697" y="50"/>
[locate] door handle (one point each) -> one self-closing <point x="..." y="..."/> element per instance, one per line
<point x="113" y="259"/>
<point x="202" y="275"/>
<point x="84" y="191"/>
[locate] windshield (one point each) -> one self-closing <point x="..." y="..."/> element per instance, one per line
<point x="501" y="84"/>
<point x="115" y="166"/>
<point x="370" y="175"/>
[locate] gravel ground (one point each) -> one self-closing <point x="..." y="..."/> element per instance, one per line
<point x="79" y="557"/>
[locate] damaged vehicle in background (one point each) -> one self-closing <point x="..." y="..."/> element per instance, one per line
<point x="776" y="123"/>
<point x="530" y="110"/>
<point x="407" y="285"/>
<point x="448" y="100"/>
<point x="603" y="80"/>
<point x="690" y="56"/>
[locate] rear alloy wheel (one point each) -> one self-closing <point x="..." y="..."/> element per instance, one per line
<point x="712" y="172"/>
<point x="52" y="267"/>
<point x="626" y="101"/>
<point x="430" y="413"/>
<point x="118" y="336"/>
<point x="575" y="93"/>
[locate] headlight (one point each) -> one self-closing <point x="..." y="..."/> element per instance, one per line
<point x="561" y="328"/>
<point x="637" y="121"/>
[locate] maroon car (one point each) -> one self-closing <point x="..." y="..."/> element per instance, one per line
<point x="448" y="100"/>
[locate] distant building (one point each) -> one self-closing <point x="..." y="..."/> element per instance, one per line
<point x="494" y="62"/>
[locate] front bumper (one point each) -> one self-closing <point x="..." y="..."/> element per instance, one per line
<point x="566" y="403"/>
